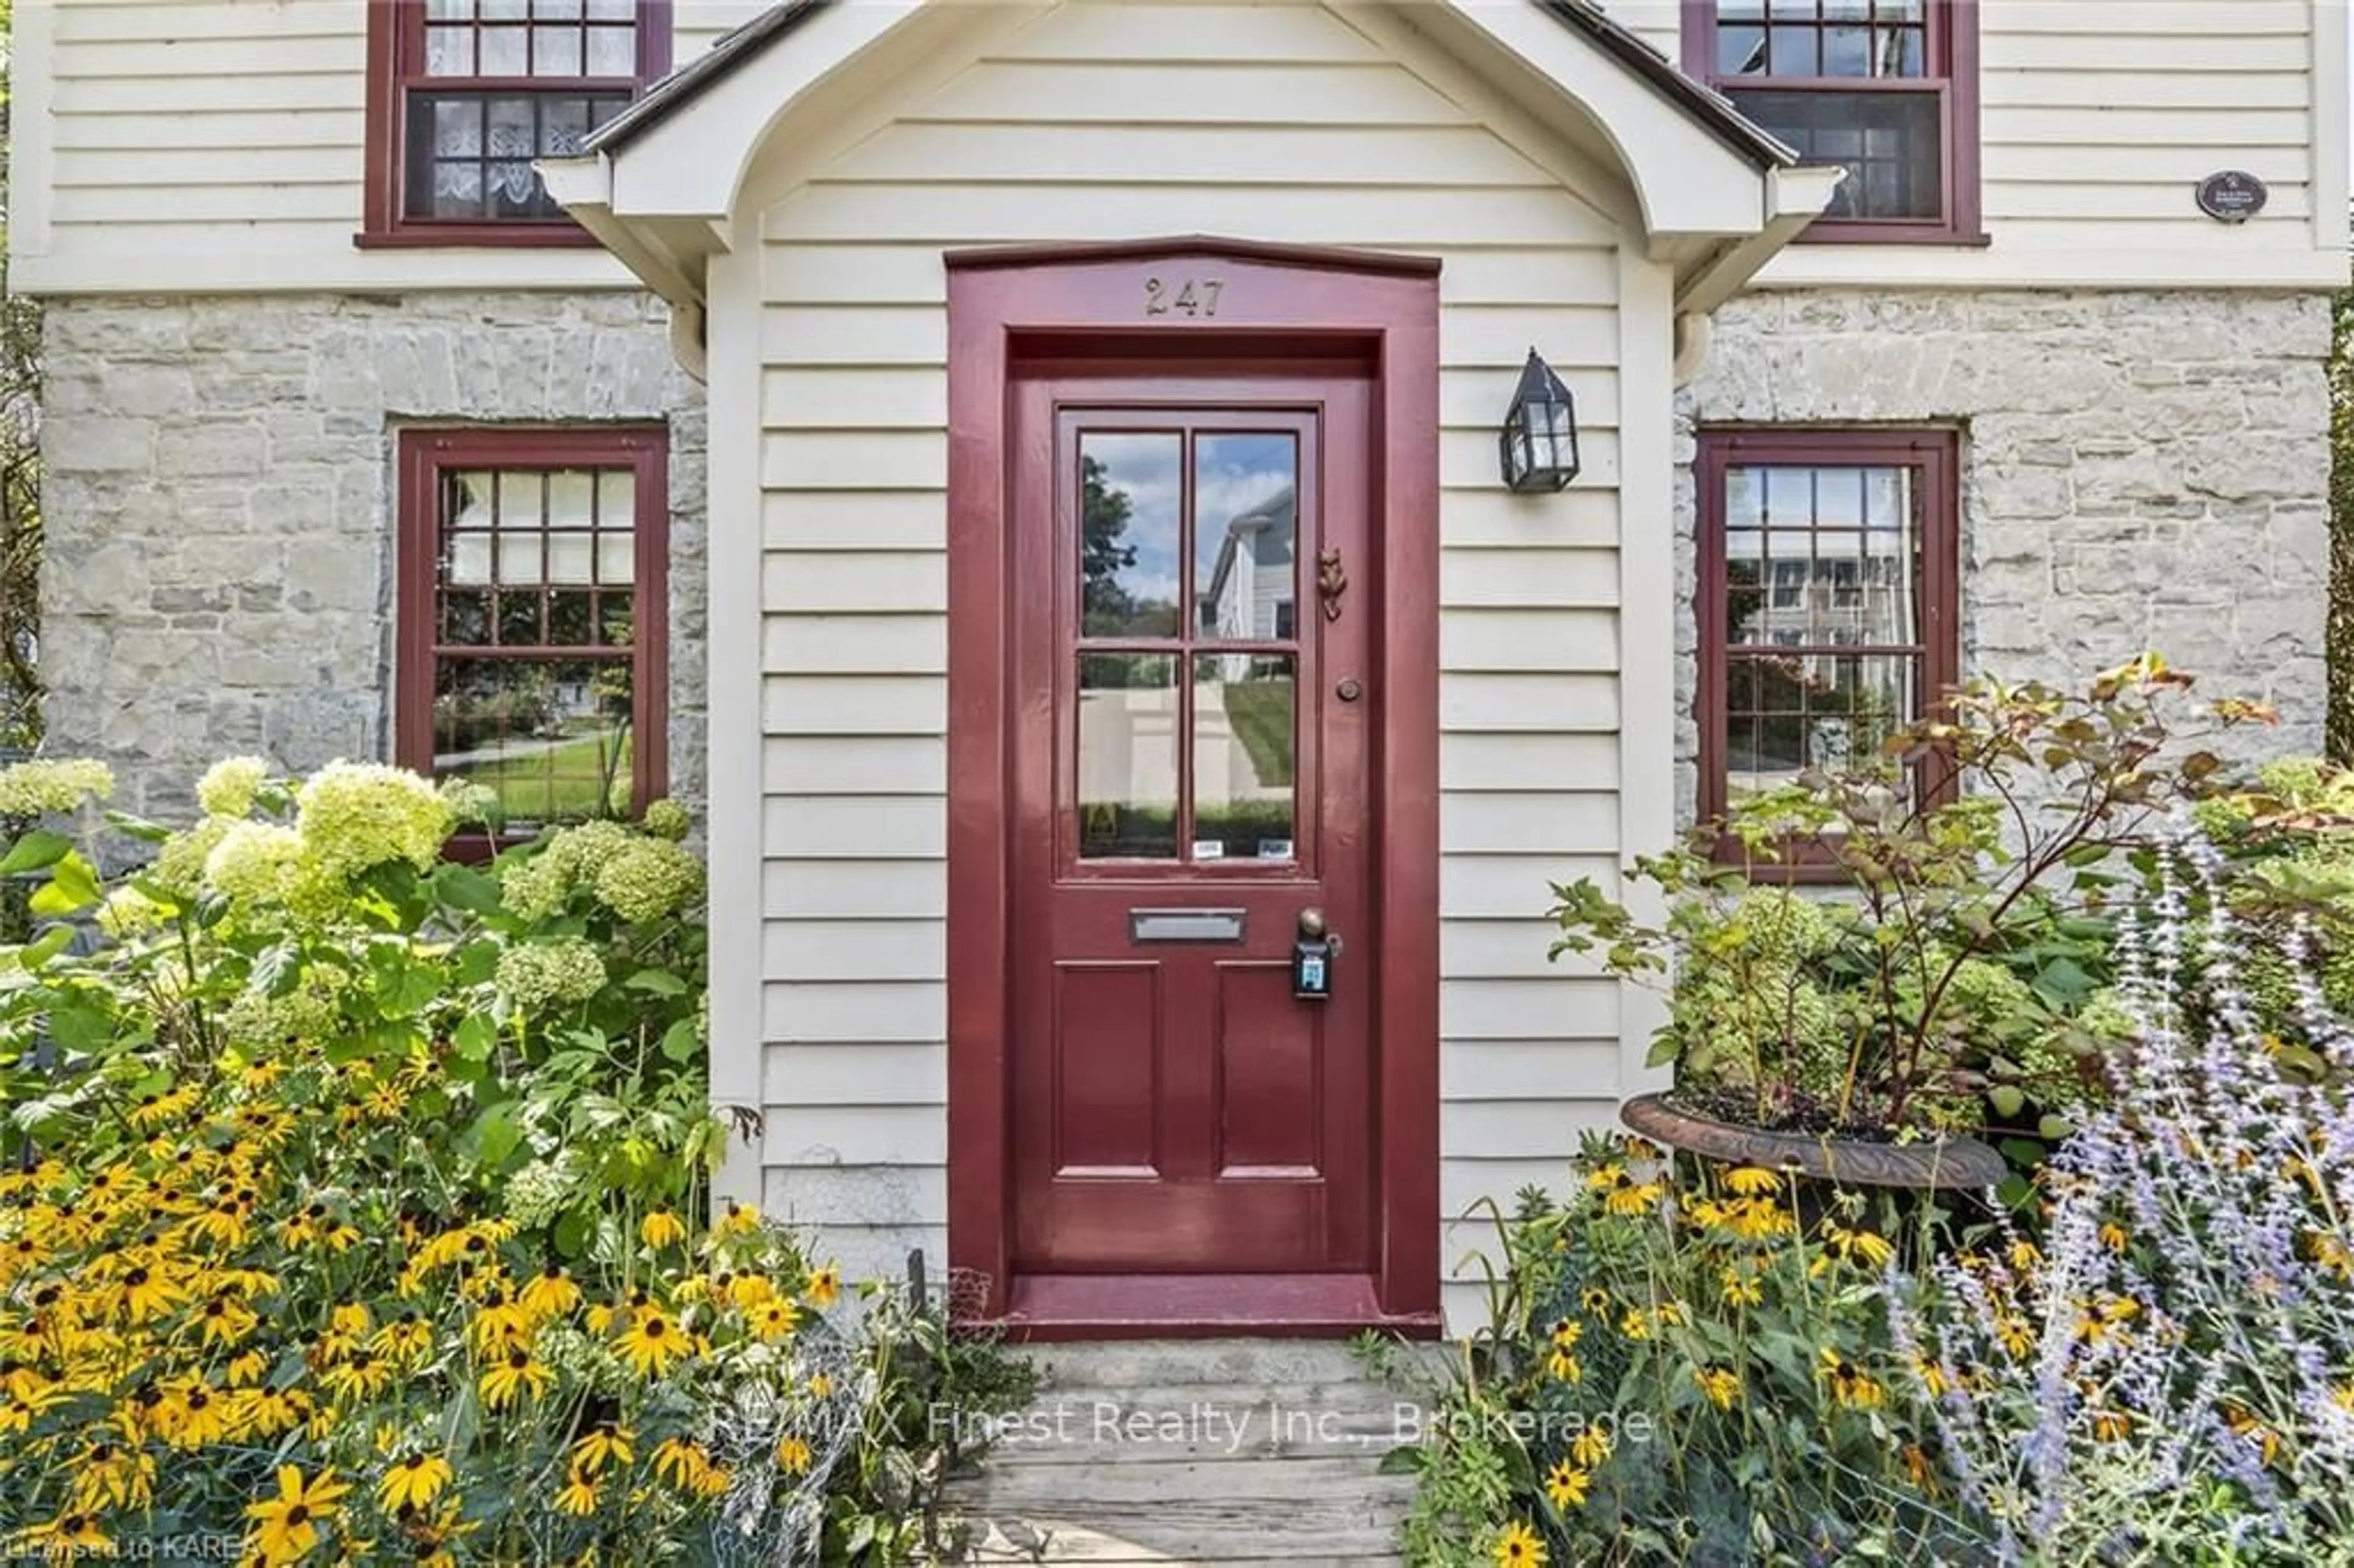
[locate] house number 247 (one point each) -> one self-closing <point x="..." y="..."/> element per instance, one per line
<point x="1192" y="297"/>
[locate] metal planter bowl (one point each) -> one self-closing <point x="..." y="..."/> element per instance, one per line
<point x="1929" y="1165"/>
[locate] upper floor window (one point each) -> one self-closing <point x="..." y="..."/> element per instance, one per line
<point x="1885" y="89"/>
<point x="464" y="94"/>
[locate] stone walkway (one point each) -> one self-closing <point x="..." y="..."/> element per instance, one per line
<point x="1202" y="1452"/>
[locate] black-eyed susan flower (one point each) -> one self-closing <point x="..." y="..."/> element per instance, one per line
<point x="404" y="1338"/>
<point x="202" y="1414"/>
<point x="1718" y="1385"/>
<point x="577" y="1496"/>
<point x="226" y="1319"/>
<point x="1567" y="1486"/>
<point x="685" y="1466"/>
<point x="604" y="1444"/>
<point x="1850" y="1385"/>
<point x="414" y="1482"/>
<point x="71" y="1535"/>
<point x="146" y="1293"/>
<point x="1917" y="1467"/>
<point x="662" y="1228"/>
<point x="1590" y="1447"/>
<point x="824" y="1287"/>
<point x="740" y="1219"/>
<point x="1741" y="1289"/>
<point x="1518" y="1547"/>
<point x="1866" y="1249"/>
<point x="750" y="1290"/>
<point x="286" y="1527"/>
<point x="820" y="1386"/>
<point x="1752" y="1180"/>
<point x="793" y="1456"/>
<point x="513" y="1376"/>
<point x="773" y="1321"/>
<point x="361" y="1375"/>
<point x="650" y="1342"/>
<point x="2108" y="1319"/>
<point x="551" y="1293"/>
<point x="109" y="1475"/>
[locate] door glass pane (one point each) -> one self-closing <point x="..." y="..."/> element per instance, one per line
<point x="1245" y="735"/>
<point x="1129" y="500"/>
<point x="552" y="738"/>
<point x="1245" y="530"/>
<point x="1127" y="757"/>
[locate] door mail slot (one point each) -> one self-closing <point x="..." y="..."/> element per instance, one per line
<point x="1185" y="925"/>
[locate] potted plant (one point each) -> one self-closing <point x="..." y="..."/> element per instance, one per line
<point x="1872" y="964"/>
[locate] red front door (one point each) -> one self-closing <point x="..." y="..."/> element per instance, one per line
<point x="1193" y="705"/>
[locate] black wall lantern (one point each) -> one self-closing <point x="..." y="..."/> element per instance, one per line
<point x="1539" y="438"/>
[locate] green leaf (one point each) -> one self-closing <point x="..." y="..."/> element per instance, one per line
<point x="495" y="1135"/>
<point x="2055" y="1128"/>
<point x="659" y="982"/>
<point x="1664" y="1046"/>
<point x="2014" y="1192"/>
<point x="572" y="1232"/>
<point x="474" y="1037"/>
<point x="1408" y="1460"/>
<point x="2023" y="1150"/>
<point x="680" y="1041"/>
<point x="464" y="887"/>
<point x="36" y="851"/>
<point x="38" y="952"/>
<point x="72" y="887"/>
<point x="2006" y="1099"/>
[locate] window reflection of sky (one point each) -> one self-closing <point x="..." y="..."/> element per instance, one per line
<point x="1234" y="474"/>
<point x="1146" y="468"/>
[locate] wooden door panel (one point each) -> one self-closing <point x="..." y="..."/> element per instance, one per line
<point x="1269" y="1051"/>
<point x="1107" y="1043"/>
<point x="1176" y="745"/>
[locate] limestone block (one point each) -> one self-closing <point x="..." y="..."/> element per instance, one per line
<point x="98" y="443"/>
<point x="209" y="449"/>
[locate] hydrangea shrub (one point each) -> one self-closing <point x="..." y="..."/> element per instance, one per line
<point x="358" y="1210"/>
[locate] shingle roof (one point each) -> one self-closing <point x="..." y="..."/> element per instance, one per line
<point x="740" y="48"/>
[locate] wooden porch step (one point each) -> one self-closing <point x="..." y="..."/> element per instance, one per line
<point x="1212" y="1453"/>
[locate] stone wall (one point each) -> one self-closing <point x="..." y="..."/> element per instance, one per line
<point x="2139" y="471"/>
<point x="220" y="504"/>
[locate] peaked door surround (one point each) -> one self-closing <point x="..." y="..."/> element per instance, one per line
<point x="1192" y="718"/>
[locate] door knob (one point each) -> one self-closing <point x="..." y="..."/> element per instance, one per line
<point x="1311" y="957"/>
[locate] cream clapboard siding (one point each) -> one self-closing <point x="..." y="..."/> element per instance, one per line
<point x="1101" y="123"/>
<point x="220" y="145"/>
<point x="2098" y="122"/>
<point x="167" y="145"/>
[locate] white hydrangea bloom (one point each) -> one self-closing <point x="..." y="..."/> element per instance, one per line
<point x="230" y="786"/>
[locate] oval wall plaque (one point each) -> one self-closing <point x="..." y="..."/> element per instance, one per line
<point x="2233" y="196"/>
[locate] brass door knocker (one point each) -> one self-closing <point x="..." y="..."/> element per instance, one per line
<point x="1331" y="582"/>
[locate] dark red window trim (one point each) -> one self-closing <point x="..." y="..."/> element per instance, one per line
<point x="1952" y="52"/>
<point x="1935" y="454"/>
<point x="424" y="456"/>
<point x="396" y="58"/>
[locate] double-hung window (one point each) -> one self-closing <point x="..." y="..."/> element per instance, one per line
<point x="1828" y="610"/>
<point x="1887" y="90"/>
<point x="532" y="655"/>
<point x="464" y="94"/>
